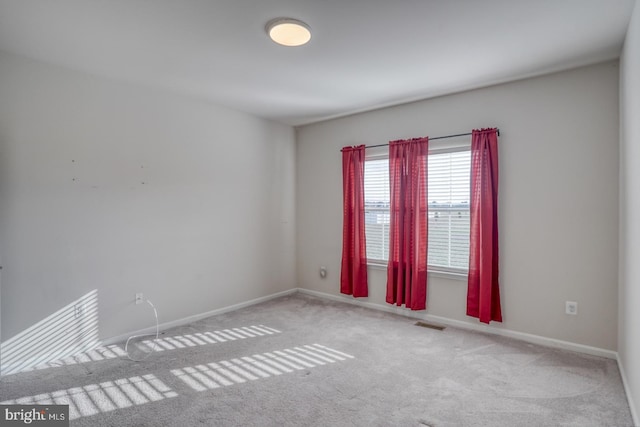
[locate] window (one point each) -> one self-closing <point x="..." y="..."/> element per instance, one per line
<point x="448" y="196"/>
<point x="376" y="209"/>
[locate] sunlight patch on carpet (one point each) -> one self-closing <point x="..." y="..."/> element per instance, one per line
<point x="258" y="366"/>
<point x="103" y="397"/>
<point x="161" y="344"/>
<point x="205" y="338"/>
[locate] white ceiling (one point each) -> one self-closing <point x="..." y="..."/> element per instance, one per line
<point x="364" y="54"/>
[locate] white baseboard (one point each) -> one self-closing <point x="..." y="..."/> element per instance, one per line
<point x="535" y="339"/>
<point x="196" y="317"/>
<point x="627" y="390"/>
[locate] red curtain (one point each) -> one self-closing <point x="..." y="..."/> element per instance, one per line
<point x="407" y="268"/>
<point x="483" y="293"/>
<point x="353" y="277"/>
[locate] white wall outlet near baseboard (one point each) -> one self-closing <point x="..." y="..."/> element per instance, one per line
<point x="78" y="310"/>
<point x="571" y="307"/>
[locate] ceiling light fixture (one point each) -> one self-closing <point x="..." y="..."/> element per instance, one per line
<point x="288" y="31"/>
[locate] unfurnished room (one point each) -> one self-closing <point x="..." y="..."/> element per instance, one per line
<point x="320" y="213"/>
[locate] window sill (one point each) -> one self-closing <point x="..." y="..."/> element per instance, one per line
<point x="432" y="273"/>
<point x="448" y="275"/>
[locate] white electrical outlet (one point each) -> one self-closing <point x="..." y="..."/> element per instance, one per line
<point x="139" y="298"/>
<point x="571" y="307"/>
<point x="78" y="310"/>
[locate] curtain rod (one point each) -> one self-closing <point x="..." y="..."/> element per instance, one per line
<point x="431" y="139"/>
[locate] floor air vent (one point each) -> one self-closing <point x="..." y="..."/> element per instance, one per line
<point x="430" y="326"/>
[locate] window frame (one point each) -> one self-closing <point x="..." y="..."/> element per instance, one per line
<point x="438" y="271"/>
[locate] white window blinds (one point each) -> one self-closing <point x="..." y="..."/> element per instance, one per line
<point x="448" y="192"/>
<point x="376" y="205"/>
<point x="448" y="197"/>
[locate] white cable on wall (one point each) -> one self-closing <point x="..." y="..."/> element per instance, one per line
<point x="157" y="334"/>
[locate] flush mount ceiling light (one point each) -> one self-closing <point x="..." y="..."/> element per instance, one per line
<point x="288" y="31"/>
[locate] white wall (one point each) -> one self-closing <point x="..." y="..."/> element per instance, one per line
<point x="124" y="189"/>
<point x="558" y="198"/>
<point x="629" y="338"/>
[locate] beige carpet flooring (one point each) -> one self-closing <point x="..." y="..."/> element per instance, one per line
<point x="304" y="361"/>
